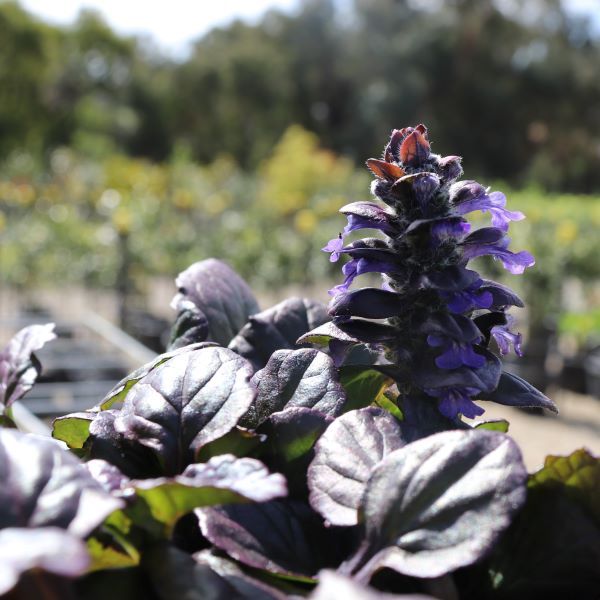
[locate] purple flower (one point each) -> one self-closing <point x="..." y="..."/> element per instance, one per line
<point x="505" y="338"/>
<point x="469" y="196"/>
<point x="455" y="353"/>
<point x="424" y="186"/>
<point x="334" y="246"/>
<point x="360" y="215"/>
<point x="470" y="298"/>
<point x="358" y="266"/>
<point x="450" y="228"/>
<point x="450" y="168"/>
<point x="455" y="401"/>
<point x="429" y="332"/>
<point x="516" y="263"/>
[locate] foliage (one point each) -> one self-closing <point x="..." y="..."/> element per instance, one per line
<point x="467" y="67"/>
<point x="85" y="221"/>
<point x="270" y="470"/>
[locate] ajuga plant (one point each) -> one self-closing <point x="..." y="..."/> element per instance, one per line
<point x="244" y="464"/>
<point x="439" y="316"/>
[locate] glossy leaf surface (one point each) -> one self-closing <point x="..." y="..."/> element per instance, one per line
<point x="220" y="294"/>
<point x="514" y="391"/>
<point x="277" y="328"/>
<point x="441" y="502"/>
<point x="194" y="398"/>
<point x="18" y="366"/>
<point x="296" y="378"/>
<point x="43" y="485"/>
<point x="345" y="456"/>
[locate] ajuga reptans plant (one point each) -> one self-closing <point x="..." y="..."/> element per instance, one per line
<point x="433" y="317"/>
<point x="238" y="465"/>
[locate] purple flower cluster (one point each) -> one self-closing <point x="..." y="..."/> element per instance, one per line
<point x="433" y="317"/>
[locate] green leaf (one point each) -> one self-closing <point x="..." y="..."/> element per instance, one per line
<point x="387" y="400"/>
<point x="6" y="421"/>
<point x="363" y="386"/>
<point x="500" y="425"/>
<point x="578" y="473"/>
<point x="106" y="555"/>
<point x="239" y="442"/>
<point x="291" y="436"/>
<point x="73" y="429"/>
<point x="222" y="480"/>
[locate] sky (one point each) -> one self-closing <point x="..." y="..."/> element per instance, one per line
<point x="174" y="24"/>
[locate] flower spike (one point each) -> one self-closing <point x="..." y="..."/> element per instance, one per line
<point x="432" y="318"/>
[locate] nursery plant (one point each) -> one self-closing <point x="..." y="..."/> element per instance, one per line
<point x="311" y="451"/>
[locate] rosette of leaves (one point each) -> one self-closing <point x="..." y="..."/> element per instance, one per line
<point x="433" y="318"/>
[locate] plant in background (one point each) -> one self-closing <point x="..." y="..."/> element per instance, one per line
<point x="242" y="465"/>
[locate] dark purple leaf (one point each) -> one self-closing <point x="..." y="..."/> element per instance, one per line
<point x="50" y="549"/>
<point x="248" y="587"/>
<point x="440" y="503"/>
<point x="222" y="480"/>
<point x="333" y="586"/>
<point x="551" y="551"/>
<point x="296" y="378"/>
<point x="451" y="279"/>
<point x="325" y="333"/>
<point x="291" y="436"/>
<point x="502" y="296"/>
<point x="485" y="235"/>
<point x="427" y="376"/>
<point x="418" y="225"/>
<point x="107" y="475"/>
<point x="423" y="418"/>
<point x="18" y="366"/>
<point x="194" y="398"/>
<point x="120" y="390"/>
<point x="220" y="294"/>
<point x="370" y="303"/>
<point x="131" y="458"/>
<point x="487" y="320"/>
<point x="277" y="328"/>
<point x="175" y="574"/>
<point x="345" y="455"/>
<point x="456" y="327"/>
<point x="376" y="251"/>
<point x="369" y="332"/>
<point x="281" y="536"/>
<point x="190" y="327"/>
<point x="43" y="485"/>
<point x="514" y="391"/>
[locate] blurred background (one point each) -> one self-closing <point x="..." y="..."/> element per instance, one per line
<point x="132" y="145"/>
